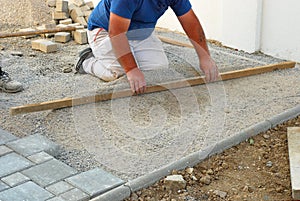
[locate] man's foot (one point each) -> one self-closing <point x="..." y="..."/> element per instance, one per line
<point x="83" y="55"/>
<point x="8" y="85"/>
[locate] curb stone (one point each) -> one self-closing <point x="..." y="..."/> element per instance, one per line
<point x="124" y="191"/>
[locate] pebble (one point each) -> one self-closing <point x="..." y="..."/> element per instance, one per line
<point x="269" y="164"/>
<point x="221" y="194"/>
<point x="189" y="170"/>
<point x="266" y="136"/>
<point x="15" y="53"/>
<point x="206" y="180"/>
<point x="67" y="70"/>
<point x="174" y="182"/>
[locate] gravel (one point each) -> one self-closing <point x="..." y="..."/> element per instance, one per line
<point x="133" y="136"/>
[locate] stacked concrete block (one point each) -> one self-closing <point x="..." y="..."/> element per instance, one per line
<point x="80" y="36"/>
<point x="62" y="6"/>
<point x="60" y="15"/>
<point x="90" y="4"/>
<point x="28" y="30"/>
<point x="78" y="2"/>
<point x="66" y="21"/>
<point x="62" y="37"/>
<point x="51" y="3"/>
<point x="47" y="26"/>
<point x="44" y="45"/>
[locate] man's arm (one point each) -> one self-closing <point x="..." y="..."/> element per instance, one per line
<point x="194" y="31"/>
<point x="118" y="26"/>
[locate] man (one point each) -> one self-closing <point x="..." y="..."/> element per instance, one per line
<point x="121" y="39"/>
<point x="7" y="84"/>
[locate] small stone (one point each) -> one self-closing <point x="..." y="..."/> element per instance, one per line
<point x="189" y="170"/>
<point x="2" y="47"/>
<point x="194" y="178"/>
<point x="15" y="53"/>
<point x="206" y="180"/>
<point x="269" y="164"/>
<point x="174" y="182"/>
<point x="67" y="70"/>
<point x="266" y="136"/>
<point x="210" y="172"/>
<point x="221" y="194"/>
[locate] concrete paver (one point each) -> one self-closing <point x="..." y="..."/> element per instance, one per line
<point x="40" y="157"/>
<point x="4" y="150"/>
<point x="49" y="172"/>
<point x="59" y="188"/>
<point x="33" y="144"/>
<point x="11" y="163"/>
<point x="75" y="195"/>
<point x="27" y="191"/>
<point x="15" y="179"/>
<point x="6" y="137"/>
<point x="3" y="186"/>
<point x="95" y="181"/>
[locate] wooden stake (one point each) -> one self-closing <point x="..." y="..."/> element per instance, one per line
<point x="69" y="102"/>
<point x="29" y="33"/>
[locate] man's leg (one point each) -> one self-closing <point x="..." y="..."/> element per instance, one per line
<point x="103" y="63"/>
<point x="149" y="53"/>
<point x="7" y="84"/>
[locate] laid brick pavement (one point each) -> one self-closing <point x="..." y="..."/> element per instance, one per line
<point x="29" y="171"/>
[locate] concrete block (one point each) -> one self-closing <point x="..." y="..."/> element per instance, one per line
<point x="35" y="45"/>
<point x="59" y="188"/>
<point x="95" y="181"/>
<point x="27" y="30"/>
<point x="6" y="137"/>
<point x="75" y="195"/>
<point x="61" y="6"/>
<point x="40" y="157"/>
<point x="78" y="2"/>
<point x="60" y="15"/>
<point x="48" y="26"/>
<point x="34" y="143"/>
<point x="27" y="191"/>
<point x="49" y="172"/>
<point x="62" y="37"/>
<point x="90" y="4"/>
<point x="48" y="46"/>
<point x="293" y="134"/>
<point x="76" y="12"/>
<point x="85" y="8"/>
<point x="51" y="3"/>
<point x="81" y="20"/>
<point x="66" y="21"/>
<point x="4" y="150"/>
<point x="3" y="186"/>
<point x="80" y="37"/>
<point x="71" y="7"/>
<point x="15" y="179"/>
<point x="12" y="163"/>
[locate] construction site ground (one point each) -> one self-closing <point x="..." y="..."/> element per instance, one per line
<point x="133" y="136"/>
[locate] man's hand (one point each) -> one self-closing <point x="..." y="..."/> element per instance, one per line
<point x="137" y="81"/>
<point x="210" y="69"/>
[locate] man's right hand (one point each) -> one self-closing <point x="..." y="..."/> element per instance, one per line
<point x="137" y="80"/>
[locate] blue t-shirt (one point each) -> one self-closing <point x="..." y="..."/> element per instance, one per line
<point x="142" y="13"/>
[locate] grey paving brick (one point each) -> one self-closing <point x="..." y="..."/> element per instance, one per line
<point x="4" y="150"/>
<point x="33" y="144"/>
<point x="12" y="163"/>
<point x="56" y="199"/>
<point x="59" y="188"/>
<point x="6" y="137"/>
<point x="28" y="191"/>
<point x="95" y="181"/>
<point x="75" y="195"/>
<point x="40" y="157"/>
<point x="15" y="179"/>
<point x="3" y="186"/>
<point x="49" y="172"/>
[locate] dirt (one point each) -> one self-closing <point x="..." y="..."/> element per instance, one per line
<point x="256" y="170"/>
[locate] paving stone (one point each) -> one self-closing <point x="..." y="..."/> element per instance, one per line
<point x="56" y="199"/>
<point x="59" y="188"/>
<point x="49" y="172"/>
<point x="95" y="181"/>
<point x="40" y="157"/>
<point x="28" y="191"/>
<point x="4" y="150"/>
<point x="6" y="137"/>
<point x="15" y="179"/>
<point x="75" y="195"/>
<point x="33" y="144"/>
<point x="12" y="163"/>
<point x="3" y="186"/>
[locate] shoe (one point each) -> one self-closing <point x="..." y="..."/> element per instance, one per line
<point x="83" y="55"/>
<point x="8" y="85"/>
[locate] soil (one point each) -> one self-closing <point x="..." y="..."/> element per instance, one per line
<point x="256" y="170"/>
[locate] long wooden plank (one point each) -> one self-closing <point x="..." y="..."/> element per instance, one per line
<point x="29" y="33"/>
<point x="69" y="102"/>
